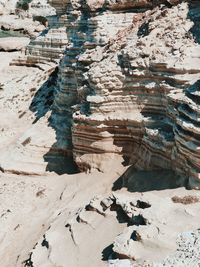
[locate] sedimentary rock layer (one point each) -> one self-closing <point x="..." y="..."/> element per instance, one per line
<point x="59" y="5"/>
<point x="135" y="88"/>
<point x="122" y="91"/>
<point x="49" y="46"/>
<point x="84" y="33"/>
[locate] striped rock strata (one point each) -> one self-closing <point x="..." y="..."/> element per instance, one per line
<point x="48" y="47"/>
<point x="122" y="87"/>
<point x="50" y="44"/>
<point x="84" y="34"/>
<point x="136" y="86"/>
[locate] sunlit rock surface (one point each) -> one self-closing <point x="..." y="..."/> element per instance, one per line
<point x="134" y="85"/>
<point x="109" y="88"/>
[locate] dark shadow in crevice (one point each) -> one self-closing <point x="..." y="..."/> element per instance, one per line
<point x="44" y="32"/>
<point x="121" y="216"/>
<point x="143" y="30"/>
<point x="194" y="15"/>
<point x="60" y="163"/>
<point x="135" y="236"/>
<point x="142" y="205"/>
<point x="44" y="97"/>
<point x="60" y="157"/>
<point x="45" y="243"/>
<point x="58" y="160"/>
<point x="108" y="253"/>
<point x="144" y="181"/>
<point x="138" y="220"/>
<point x="28" y="262"/>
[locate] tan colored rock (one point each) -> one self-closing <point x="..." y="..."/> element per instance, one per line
<point x="126" y="93"/>
<point x="59" y="5"/>
<point x="13" y="43"/>
<point x="134" y="93"/>
<point x="94" y="5"/>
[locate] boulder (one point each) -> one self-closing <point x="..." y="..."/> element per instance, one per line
<point x="13" y="43"/>
<point x="94" y="5"/>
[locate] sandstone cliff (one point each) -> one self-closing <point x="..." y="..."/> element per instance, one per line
<point x="111" y="87"/>
<point x="124" y="85"/>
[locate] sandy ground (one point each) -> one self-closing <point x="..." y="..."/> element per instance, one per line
<point x="27" y="204"/>
<point x="30" y="204"/>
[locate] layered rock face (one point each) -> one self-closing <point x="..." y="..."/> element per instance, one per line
<point x="187" y="134"/>
<point x="123" y="83"/>
<point x="126" y="91"/>
<point x="85" y="33"/>
<point x="186" y="118"/>
<point x="48" y="47"/>
<point x="41" y="8"/>
<point x="59" y="5"/>
<point x="124" y="78"/>
<point x="41" y="56"/>
<point x="47" y="32"/>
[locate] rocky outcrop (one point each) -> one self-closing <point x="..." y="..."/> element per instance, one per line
<point x="140" y="224"/>
<point x="187" y="134"/>
<point x="124" y="89"/>
<point x="118" y="92"/>
<point x="48" y="47"/>
<point x="126" y="92"/>
<point x="59" y="5"/>
<point x="84" y="33"/>
<point x="127" y="4"/>
<point x="27" y="22"/>
<point x="24" y="25"/>
<point x="41" y="8"/>
<point x="34" y="91"/>
<point x="13" y="43"/>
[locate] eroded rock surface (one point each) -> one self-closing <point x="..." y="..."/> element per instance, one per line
<point x="127" y="87"/>
<point x="148" y="231"/>
<point x="13" y="43"/>
<point x="104" y="84"/>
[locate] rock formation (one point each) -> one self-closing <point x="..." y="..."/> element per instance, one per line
<point x="109" y="88"/>
<point x="148" y="232"/>
<point x="48" y="47"/>
<point x="13" y="43"/>
<point x="118" y="91"/>
<point x="125" y="83"/>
